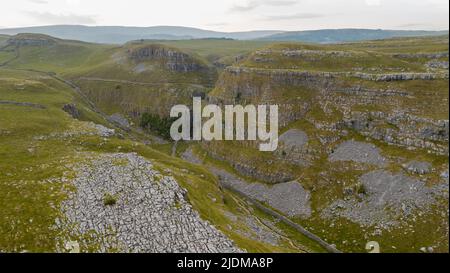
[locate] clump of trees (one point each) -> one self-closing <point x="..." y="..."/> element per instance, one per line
<point x="157" y="124"/>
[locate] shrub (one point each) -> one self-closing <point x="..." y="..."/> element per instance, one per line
<point x="156" y="124"/>
<point x="361" y="189"/>
<point x="109" y="200"/>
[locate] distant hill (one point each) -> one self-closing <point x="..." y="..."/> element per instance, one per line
<point x="346" y="35"/>
<point x="120" y="34"/>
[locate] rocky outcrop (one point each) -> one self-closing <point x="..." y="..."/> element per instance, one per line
<point x="120" y="121"/>
<point x="289" y="198"/>
<point x="72" y="110"/>
<point x="418" y="167"/>
<point x="286" y="76"/>
<point x="295" y="77"/>
<point x="404" y="129"/>
<point x="134" y="208"/>
<point x="401" y="76"/>
<point x="283" y="173"/>
<point x="293" y="147"/>
<point x="370" y="93"/>
<point x="262" y="175"/>
<point x="359" y="152"/>
<point x="25" y="104"/>
<point x="173" y="60"/>
<point x="316" y="53"/>
<point x="294" y="139"/>
<point x="437" y="64"/>
<point x="388" y="199"/>
<point x="437" y="55"/>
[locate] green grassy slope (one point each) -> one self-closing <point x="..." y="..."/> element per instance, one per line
<point x="370" y="57"/>
<point x="107" y="73"/>
<point x="118" y="84"/>
<point x="36" y="156"/>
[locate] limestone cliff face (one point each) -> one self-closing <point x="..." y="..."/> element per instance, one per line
<point x="404" y="121"/>
<point x="251" y="83"/>
<point x="146" y="78"/>
<point x="396" y="103"/>
<point x="293" y="91"/>
<point x="404" y="130"/>
<point x="172" y="59"/>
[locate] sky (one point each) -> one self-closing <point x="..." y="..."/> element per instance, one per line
<point x="231" y="15"/>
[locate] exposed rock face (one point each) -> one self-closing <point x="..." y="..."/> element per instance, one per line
<point x="80" y="129"/>
<point x="406" y="130"/>
<point x="389" y="199"/>
<point x="438" y="64"/>
<point x="316" y="53"/>
<point x="250" y="170"/>
<point x="358" y="152"/>
<point x="438" y="55"/>
<point x="26" y="104"/>
<point x="103" y="131"/>
<point x="268" y="177"/>
<point x="417" y="167"/>
<point x="256" y="85"/>
<point x="317" y="79"/>
<point x="264" y="231"/>
<point x="294" y="139"/>
<point x="290" y="198"/>
<point x="72" y="110"/>
<point x="173" y="60"/>
<point x="287" y="77"/>
<point x="189" y="155"/>
<point x="445" y="176"/>
<point x="239" y="85"/>
<point x="119" y="120"/>
<point x="293" y="147"/>
<point x="371" y="92"/>
<point x="401" y="76"/>
<point x="150" y="213"/>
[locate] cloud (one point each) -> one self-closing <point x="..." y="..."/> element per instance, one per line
<point x="255" y="4"/>
<point x="294" y="16"/>
<point x="52" y="18"/>
<point x="38" y="1"/>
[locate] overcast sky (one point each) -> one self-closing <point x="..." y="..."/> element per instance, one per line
<point x="231" y="15"/>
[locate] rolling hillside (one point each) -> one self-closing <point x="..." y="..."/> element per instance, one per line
<point x="121" y="35"/>
<point x="362" y="155"/>
<point x="347" y="35"/>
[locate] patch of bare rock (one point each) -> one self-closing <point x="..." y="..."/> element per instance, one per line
<point x="289" y="198"/>
<point x="122" y="195"/>
<point x="294" y="139"/>
<point x="417" y="167"/>
<point x="359" y="152"/>
<point x="388" y="199"/>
